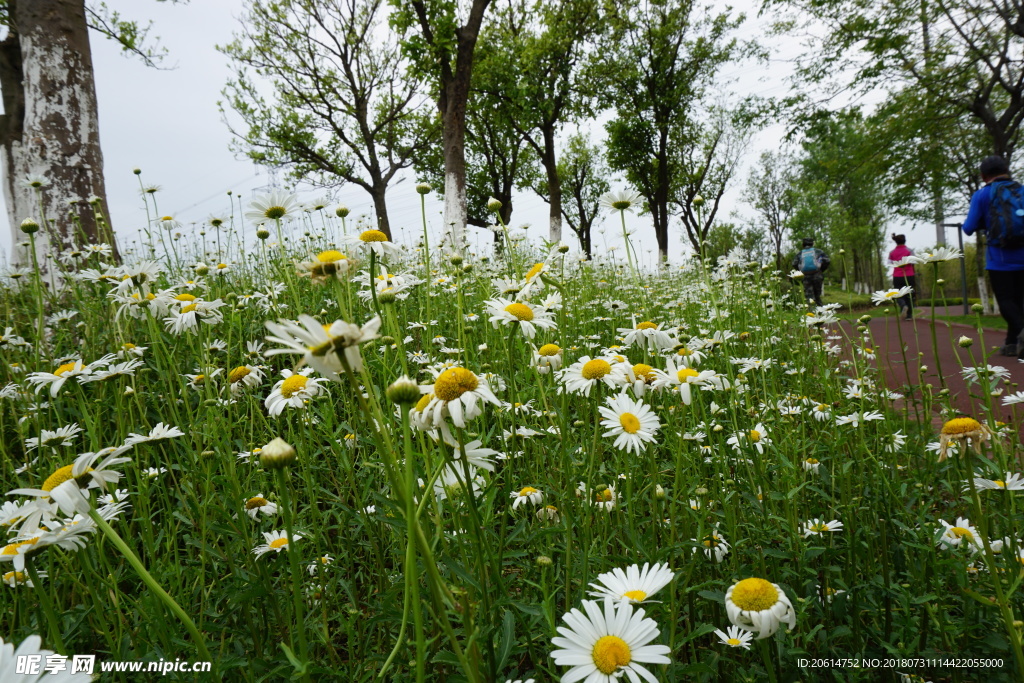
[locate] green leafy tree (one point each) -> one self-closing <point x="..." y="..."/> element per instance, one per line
<point x="537" y="58"/>
<point x="770" y="192"/>
<point x="658" y="61"/>
<point x="583" y="176"/>
<point x="439" y="37"/>
<point x="337" y="108"/>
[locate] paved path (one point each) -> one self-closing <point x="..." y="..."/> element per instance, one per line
<point x="917" y="337"/>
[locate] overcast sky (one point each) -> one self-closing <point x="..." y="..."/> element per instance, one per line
<point x="167" y="123"/>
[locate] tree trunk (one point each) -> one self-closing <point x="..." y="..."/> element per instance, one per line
<point x="455" y="214"/>
<point x="52" y="129"/>
<point x="380" y="207"/>
<point x="554" y="187"/>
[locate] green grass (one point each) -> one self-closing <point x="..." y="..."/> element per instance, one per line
<point x="434" y="575"/>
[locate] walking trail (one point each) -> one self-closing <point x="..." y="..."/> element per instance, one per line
<point x="917" y="336"/>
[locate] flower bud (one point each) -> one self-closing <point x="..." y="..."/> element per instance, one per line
<point x="698" y="201"/>
<point x="387" y="297"/>
<point x="965" y="342"/>
<point x="262" y="233"/>
<point x="467" y="269"/>
<point x="137" y="171"/>
<point x="277" y="454"/>
<point x="493" y="205"/>
<point x="659" y="492"/>
<point x="29" y="226"/>
<point x="404" y="391"/>
<point x="940" y="282"/>
<point x="543" y="561"/>
<point x="563" y="248"/>
<point x="202" y="269"/>
<point x="341" y="211"/>
<point x="977" y="308"/>
<point x="387" y="340"/>
<point x="423" y="188"/>
<point x="456" y="260"/>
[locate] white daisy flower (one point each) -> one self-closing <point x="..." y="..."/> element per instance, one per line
<point x="525" y="495"/>
<point x="321" y="344"/>
<point x="1013" y="482"/>
<point x="632" y="423"/>
<point x="272" y="206"/>
<point x="276" y="541"/>
<point x="507" y="312"/>
<point x="632" y="584"/>
<point x="456" y="393"/>
<point x="603" y="645"/>
<point x="953" y="535"/>
<point x="581" y="376"/>
<point x="293" y="391"/>
<point x="817" y="527"/>
<point x="257" y="504"/>
<point x="735" y="637"/>
<point x="759" y="606"/>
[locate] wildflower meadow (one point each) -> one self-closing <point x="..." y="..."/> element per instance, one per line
<point x="299" y="451"/>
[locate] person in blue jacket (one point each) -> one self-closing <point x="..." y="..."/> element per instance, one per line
<point x="1005" y="266"/>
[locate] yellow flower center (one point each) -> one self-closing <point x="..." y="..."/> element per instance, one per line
<point x="275" y="212"/>
<point x="711" y="541"/>
<point x="189" y="308"/>
<point x="604" y="496"/>
<point x="185" y="296"/>
<point x="15" y="577"/>
<point x="57" y="478"/>
<point x="533" y="272"/>
<point x="647" y="326"/>
<point x="128" y="347"/>
<point x="520" y="311"/>
<point x="684" y="352"/>
<point x="1000" y="483"/>
<point x="12" y="549"/>
<point x="329" y="256"/>
<point x="961" y="532"/>
<point x="595" y="369"/>
<point x="961" y="425"/>
<point x="629" y="423"/>
<point x="754" y="595"/>
<point x="238" y="374"/>
<point x="279" y="543"/>
<point x="167" y="218"/>
<point x="257" y="502"/>
<point x="199" y="379"/>
<point x="639" y="596"/>
<point x="868" y="349"/>
<point x="644" y="372"/>
<point x="755" y="435"/>
<point x="610" y="652"/>
<point x="549" y="350"/>
<point x="685" y="374"/>
<point x="67" y="367"/>
<point x="293" y="385"/>
<point x="526" y="491"/>
<point x="373" y="236"/>
<point x="422" y="403"/>
<point x="454" y="382"/>
<point x="734" y="642"/>
<point x="819" y="528"/>
<point x="811" y="461"/>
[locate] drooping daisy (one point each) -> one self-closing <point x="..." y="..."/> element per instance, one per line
<point x="321" y="344"/>
<point x="456" y="393"/>
<point x="817" y="527"/>
<point x="527" y="317"/>
<point x="56" y="379"/>
<point x="953" y="535"/>
<point x="714" y="545"/>
<point x="759" y="606"/>
<point x="293" y="391"/>
<point x="602" y="496"/>
<point x="962" y="429"/>
<point x="327" y="264"/>
<point x="632" y="584"/>
<point x="455" y="479"/>
<point x="811" y="465"/>
<point x="63" y="436"/>
<point x="1013" y="482"/>
<point x="581" y="376"/>
<point x="65" y="486"/>
<point x="276" y="541"/>
<point x="632" y="423"/>
<point x="606" y="644"/>
<point x="548" y="513"/>
<point x="735" y="637"/>
<point x="756" y="437"/>
<point x="257" y="504"/>
<point x="647" y="335"/>
<point x="244" y="376"/>
<point x="187" y="318"/>
<point x="477" y="455"/>
<point x="375" y="241"/>
<point x="525" y="495"/>
<point x="547" y="358"/>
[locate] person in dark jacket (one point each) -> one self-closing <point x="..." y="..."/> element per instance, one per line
<point x="1005" y="266"/>
<point x="813" y="263"/>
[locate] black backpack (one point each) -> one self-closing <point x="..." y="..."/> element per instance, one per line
<point x="1005" y="224"/>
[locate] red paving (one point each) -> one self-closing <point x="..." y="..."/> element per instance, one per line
<point x="917" y="337"/>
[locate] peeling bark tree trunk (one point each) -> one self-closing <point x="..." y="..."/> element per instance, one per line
<point x="50" y="126"/>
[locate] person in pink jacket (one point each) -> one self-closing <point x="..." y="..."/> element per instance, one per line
<point x="903" y="276"/>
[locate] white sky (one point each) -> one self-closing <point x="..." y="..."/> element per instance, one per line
<point x="167" y="123"/>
